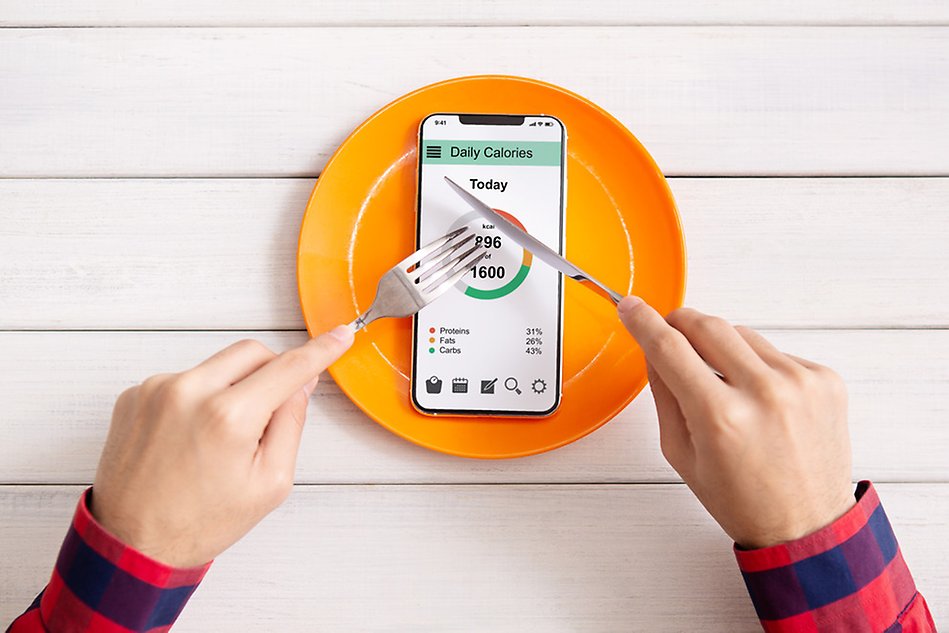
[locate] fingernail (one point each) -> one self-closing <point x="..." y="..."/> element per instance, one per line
<point x="309" y="387"/>
<point x="628" y="303"/>
<point x="343" y="333"/>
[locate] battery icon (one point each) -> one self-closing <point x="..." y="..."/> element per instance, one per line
<point x="433" y="151"/>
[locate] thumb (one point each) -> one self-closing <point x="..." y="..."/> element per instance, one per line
<point x="674" y="438"/>
<point x="281" y="439"/>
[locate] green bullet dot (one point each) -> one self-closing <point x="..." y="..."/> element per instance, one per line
<point x="431" y="350"/>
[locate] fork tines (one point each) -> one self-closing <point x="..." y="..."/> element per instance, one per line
<point x="439" y="265"/>
<point x="423" y="276"/>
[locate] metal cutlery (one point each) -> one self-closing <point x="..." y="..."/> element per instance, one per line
<point x="535" y="246"/>
<point x="423" y="276"/>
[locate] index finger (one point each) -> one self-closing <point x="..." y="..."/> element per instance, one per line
<point x="668" y="351"/>
<point x="275" y="382"/>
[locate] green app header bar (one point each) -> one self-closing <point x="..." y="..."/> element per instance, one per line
<point x="533" y="153"/>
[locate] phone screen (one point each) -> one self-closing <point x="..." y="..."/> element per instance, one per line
<point x="492" y="344"/>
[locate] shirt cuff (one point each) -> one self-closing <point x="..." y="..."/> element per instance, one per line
<point x="101" y="584"/>
<point x="848" y="576"/>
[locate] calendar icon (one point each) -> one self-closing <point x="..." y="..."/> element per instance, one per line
<point x="459" y="385"/>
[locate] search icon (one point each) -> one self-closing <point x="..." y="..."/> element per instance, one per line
<point x="511" y="385"/>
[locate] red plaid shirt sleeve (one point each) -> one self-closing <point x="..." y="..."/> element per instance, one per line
<point x="100" y="585"/>
<point x="849" y="576"/>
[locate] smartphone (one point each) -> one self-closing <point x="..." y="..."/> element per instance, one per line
<point x="492" y="345"/>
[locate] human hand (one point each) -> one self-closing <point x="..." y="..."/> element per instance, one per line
<point x="194" y="460"/>
<point x="765" y="448"/>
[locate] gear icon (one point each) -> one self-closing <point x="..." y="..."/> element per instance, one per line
<point x="539" y="386"/>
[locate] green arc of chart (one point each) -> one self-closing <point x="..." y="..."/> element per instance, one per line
<point x="506" y="289"/>
<point x="516" y="280"/>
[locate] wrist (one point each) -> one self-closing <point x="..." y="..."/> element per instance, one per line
<point x="118" y="539"/>
<point x="115" y="525"/>
<point x="133" y="532"/>
<point x="804" y="522"/>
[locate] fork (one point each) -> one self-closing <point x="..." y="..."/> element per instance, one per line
<point x="423" y="276"/>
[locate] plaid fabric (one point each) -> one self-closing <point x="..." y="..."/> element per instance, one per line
<point x="849" y="576"/>
<point x="100" y="585"/>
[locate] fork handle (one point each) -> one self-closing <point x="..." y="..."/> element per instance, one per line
<point x="363" y="320"/>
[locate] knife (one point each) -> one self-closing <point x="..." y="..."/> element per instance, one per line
<point x="532" y="244"/>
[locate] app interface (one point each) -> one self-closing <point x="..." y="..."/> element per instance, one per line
<point x="492" y="343"/>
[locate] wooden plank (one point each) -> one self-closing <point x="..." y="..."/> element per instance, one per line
<point x="461" y="13"/>
<point x="58" y="390"/>
<point x="185" y="253"/>
<point x="817" y="253"/>
<point x="220" y="254"/>
<point x="484" y="558"/>
<point x="276" y="102"/>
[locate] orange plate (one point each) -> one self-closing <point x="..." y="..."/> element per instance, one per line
<point x="360" y="220"/>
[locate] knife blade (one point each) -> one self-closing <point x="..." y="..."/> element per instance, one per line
<point x="524" y="239"/>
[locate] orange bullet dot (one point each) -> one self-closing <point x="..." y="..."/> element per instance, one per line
<point x="431" y="340"/>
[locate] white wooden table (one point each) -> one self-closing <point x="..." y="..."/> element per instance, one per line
<point x="153" y="172"/>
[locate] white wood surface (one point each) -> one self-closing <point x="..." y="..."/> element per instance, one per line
<point x="275" y="102"/>
<point x="220" y="253"/>
<point x="152" y="182"/>
<point x="471" y="558"/>
<point x="465" y="12"/>
<point x="898" y="383"/>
